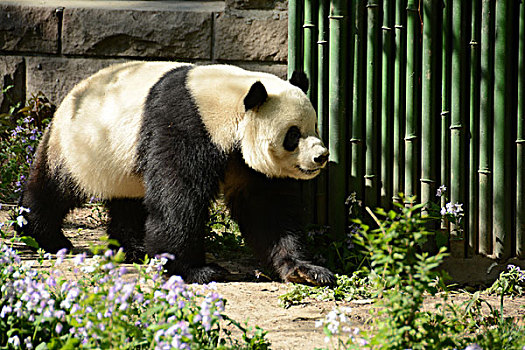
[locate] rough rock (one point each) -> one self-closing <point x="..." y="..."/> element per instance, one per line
<point x="29" y="29"/>
<point x="89" y="31"/>
<point x="12" y="73"/>
<point x="55" y="77"/>
<point x="255" y="4"/>
<point x="254" y="38"/>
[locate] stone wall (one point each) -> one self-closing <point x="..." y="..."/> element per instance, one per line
<point x="50" y="45"/>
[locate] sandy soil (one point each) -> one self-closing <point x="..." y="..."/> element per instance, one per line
<point x="257" y="302"/>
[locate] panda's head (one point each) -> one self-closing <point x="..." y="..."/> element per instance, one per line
<point x="279" y="135"/>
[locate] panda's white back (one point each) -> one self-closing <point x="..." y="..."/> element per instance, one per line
<point x="95" y="130"/>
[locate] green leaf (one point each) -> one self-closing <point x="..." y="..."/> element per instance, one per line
<point x="29" y="241"/>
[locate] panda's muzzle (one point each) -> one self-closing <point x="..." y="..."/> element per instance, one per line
<point x="308" y="171"/>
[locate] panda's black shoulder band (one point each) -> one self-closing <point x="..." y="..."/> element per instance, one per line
<point x="256" y="96"/>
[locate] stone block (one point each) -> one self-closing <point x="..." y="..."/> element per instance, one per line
<point x="251" y="4"/>
<point x="255" y="38"/>
<point x="12" y="73"/>
<point x="55" y="76"/>
<point x="28" y="29"/>
<point x="132" y="33"/>
<point x="281" y="70"/>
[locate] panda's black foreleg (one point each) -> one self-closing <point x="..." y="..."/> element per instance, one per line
<point x="270" y="216"/>
<point x="180" y="232"/>
<point x="127" y="217"/>
<point x="49" y="197"/>
<point x="177" y="200"/>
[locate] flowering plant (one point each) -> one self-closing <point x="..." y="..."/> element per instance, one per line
<point x="100" y="303"/>
<point x="20" y="131"/>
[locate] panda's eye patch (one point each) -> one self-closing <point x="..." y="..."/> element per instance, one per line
<point x="291" y="140"/>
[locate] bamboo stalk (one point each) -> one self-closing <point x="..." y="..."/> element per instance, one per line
<point x="322" y="107"/>
<point x="485" y="127"/>
<point x="501" y="201"/>
<point x="387" y="121"/>
<point x="446" y="88"/>
<point x="310" y="69"/>
<point x="520" y="143"/>
<point x="431" y="82"/>
<point x="373" y="104"/>
<point x="310" y="53"/>
<point x="294" y="36"/>
<point x="358" y="112"/>
<point x="474" y="127"/>
<point x="458" y="120"/>
<point x="399" y="100"/>
<point x="337" y="116"/>
<point x="413" y="30"/>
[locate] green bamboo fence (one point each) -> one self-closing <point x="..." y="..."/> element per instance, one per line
<point x="415" y="94"/>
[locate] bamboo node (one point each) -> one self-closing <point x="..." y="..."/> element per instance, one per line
<point x="354" y="140"/>
<point x="427" y="181"/>
<point x="474" y="43"/>
<point x="456" y="126"/>
<point x="445" y="113"/>
<point x="368" y="177"/>
<point x="485" y="171"/>
<point x="386" y="28"/>
<point x="520" y="141"/>
<point x="411" y="138"/>
<point x="322" y="42"/>
<point x="336" y="17"/>
<point x="399" y="26"/>
<point x="309" y="25"/>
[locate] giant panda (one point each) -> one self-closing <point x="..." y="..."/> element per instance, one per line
<point x="158" y="141"/>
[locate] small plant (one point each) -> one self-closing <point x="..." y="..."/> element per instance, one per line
<point x="223" y="237"/>
<point x="347" y="288"/>
<point x="20" y="132"/>
<point x="509" y="283"/>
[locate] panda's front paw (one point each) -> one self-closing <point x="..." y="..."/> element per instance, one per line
<point x="311" y="274"/>
<point x="205" y="274"/>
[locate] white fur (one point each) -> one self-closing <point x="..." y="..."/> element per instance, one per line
<point x="95" y="130"/>
<point x="219" y="91"/>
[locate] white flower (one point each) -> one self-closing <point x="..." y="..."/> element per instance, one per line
<point x="21" y="221"/>
<point x="442" y="189"/>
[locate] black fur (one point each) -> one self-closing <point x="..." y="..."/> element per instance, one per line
<point x="271" y="219"/>
<point x="49" y="198"/>
<point x="127" y="217"/>
<point x="300" y="80"/>
<point x="182" y="169"/>
<point x="256" y="96"/>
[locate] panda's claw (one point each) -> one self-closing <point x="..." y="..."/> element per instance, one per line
<point x="311" y="274"/>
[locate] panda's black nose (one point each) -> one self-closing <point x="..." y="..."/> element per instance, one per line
<point x="321" y="159"/>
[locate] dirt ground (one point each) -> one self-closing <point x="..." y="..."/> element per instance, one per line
<point x="258" y="302"/>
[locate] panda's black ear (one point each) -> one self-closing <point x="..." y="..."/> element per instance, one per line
<point x="256" y="96"/>
<point x="300" y="80"/>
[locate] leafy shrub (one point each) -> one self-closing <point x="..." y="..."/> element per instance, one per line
<point x="403" y="276"/>
<point x="20" y="131"/>
<point x="100" y="304"/>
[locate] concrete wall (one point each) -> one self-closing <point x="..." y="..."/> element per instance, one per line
<point x="50" y="45"/>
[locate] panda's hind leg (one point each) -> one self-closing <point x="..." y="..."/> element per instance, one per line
<point x="47" y="198"/>
<point x="127" y="217"/>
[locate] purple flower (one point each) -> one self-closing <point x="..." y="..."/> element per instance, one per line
<point x="58" y="328"/>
